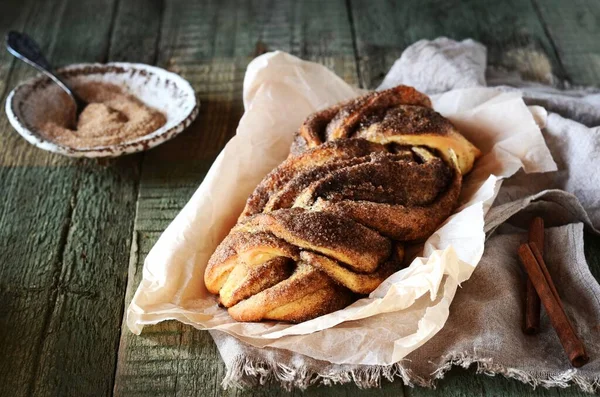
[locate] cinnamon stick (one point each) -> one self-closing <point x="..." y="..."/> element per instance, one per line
<point x="540" y="260"/>
<point x="534" y="263"/>
<point x="531" y="320"/>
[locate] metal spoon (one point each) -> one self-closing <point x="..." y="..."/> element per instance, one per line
<point x="26" y="49"/>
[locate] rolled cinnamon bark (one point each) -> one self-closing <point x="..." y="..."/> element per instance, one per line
<point x="538" y="274"/>
<point x="531" y="319"/>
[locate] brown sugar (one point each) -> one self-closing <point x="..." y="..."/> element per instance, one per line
<point x="111" y="117"/>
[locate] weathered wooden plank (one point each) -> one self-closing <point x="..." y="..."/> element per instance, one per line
<point x="511" y="29"/>
<point x="88" y="309"/>
<point x="34" y="219"/>
<point x="42" y="25"/>
<point x="219" y="31"/>
<point x="136" y="31"/>
<point x="70" y="245"/>
<point x="79" y="347"/>
<point x="350" y="390"/>
<point x="82" y="41"/>
<point x="574" y="29"/>
<point x="85" y="32"/>
<point x="13" y="14"/>
<point x="79" y="42"/>
<point x="79" y="297"/>
<point x="210" y="44"/>
<point x="460" y="382"/>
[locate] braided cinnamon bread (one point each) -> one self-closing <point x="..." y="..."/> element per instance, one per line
<point x="329" y="224"/>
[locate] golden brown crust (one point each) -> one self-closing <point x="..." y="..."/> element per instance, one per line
<point x="365" y="109"/>
<point x="331" y="151"/>
<point x="355" y="282"/>
<point x="364" y="179"/>
<point x="359" y="247"/>
<point x="400" y="114"/>
<point x="397" y="220"/>
<point x="243" y="248"/>
<point x="305" y="293"/>
<point x="249" y="279"/>
<point x="419" y="126"/>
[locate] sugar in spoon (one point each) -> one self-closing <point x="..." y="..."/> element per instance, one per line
<point x="26" y="49"/>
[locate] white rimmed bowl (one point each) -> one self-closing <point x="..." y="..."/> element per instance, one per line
<point x="167" y="92"/>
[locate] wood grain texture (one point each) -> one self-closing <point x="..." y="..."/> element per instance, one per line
<point x="65" y="34"/>
<point x="13" y="15"/>
<point x="88" y="309"/>
<point x="78" y="351"/>
<point x="574" y="27"/>
<point x="42" y="20"/>
<point x="34" y="221"/>
<point x="464" y="383"/>
<point x="34" y="226"/>
<point x="75" y="220"/>
<point x="511" y="30"/>
<point x="136" y="31"/>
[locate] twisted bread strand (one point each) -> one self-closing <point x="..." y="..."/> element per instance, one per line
<point x="329" y="223"/>
<point x="400" y="115"/>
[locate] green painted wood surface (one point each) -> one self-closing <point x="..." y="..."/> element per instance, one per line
<point x="74" y="233"/>
<point x="69" y="232"/>
<point x="511" y="30"/>
<point x="574" y="28"/>
<point x="13" y="16"/>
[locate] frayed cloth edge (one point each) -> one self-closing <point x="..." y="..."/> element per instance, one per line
<point x="247" y="372"/>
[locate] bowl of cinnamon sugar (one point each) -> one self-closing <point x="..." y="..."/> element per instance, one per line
<point x="130" y="107"/>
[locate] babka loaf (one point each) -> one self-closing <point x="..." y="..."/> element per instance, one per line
<point x="329" y="224"/>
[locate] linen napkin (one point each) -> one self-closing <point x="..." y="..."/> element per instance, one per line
<point x="486" y="314"/>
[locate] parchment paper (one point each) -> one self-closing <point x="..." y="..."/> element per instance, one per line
<point x="412" y="305"/>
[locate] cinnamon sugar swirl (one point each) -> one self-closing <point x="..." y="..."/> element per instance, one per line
<point x="329" y="224"/>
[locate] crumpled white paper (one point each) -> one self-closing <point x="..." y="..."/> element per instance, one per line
<point x="407" y="309"/>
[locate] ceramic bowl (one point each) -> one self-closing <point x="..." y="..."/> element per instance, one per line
<point x="167" y="92"/>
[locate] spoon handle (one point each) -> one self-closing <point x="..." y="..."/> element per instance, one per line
<point x="26" y="49"/>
